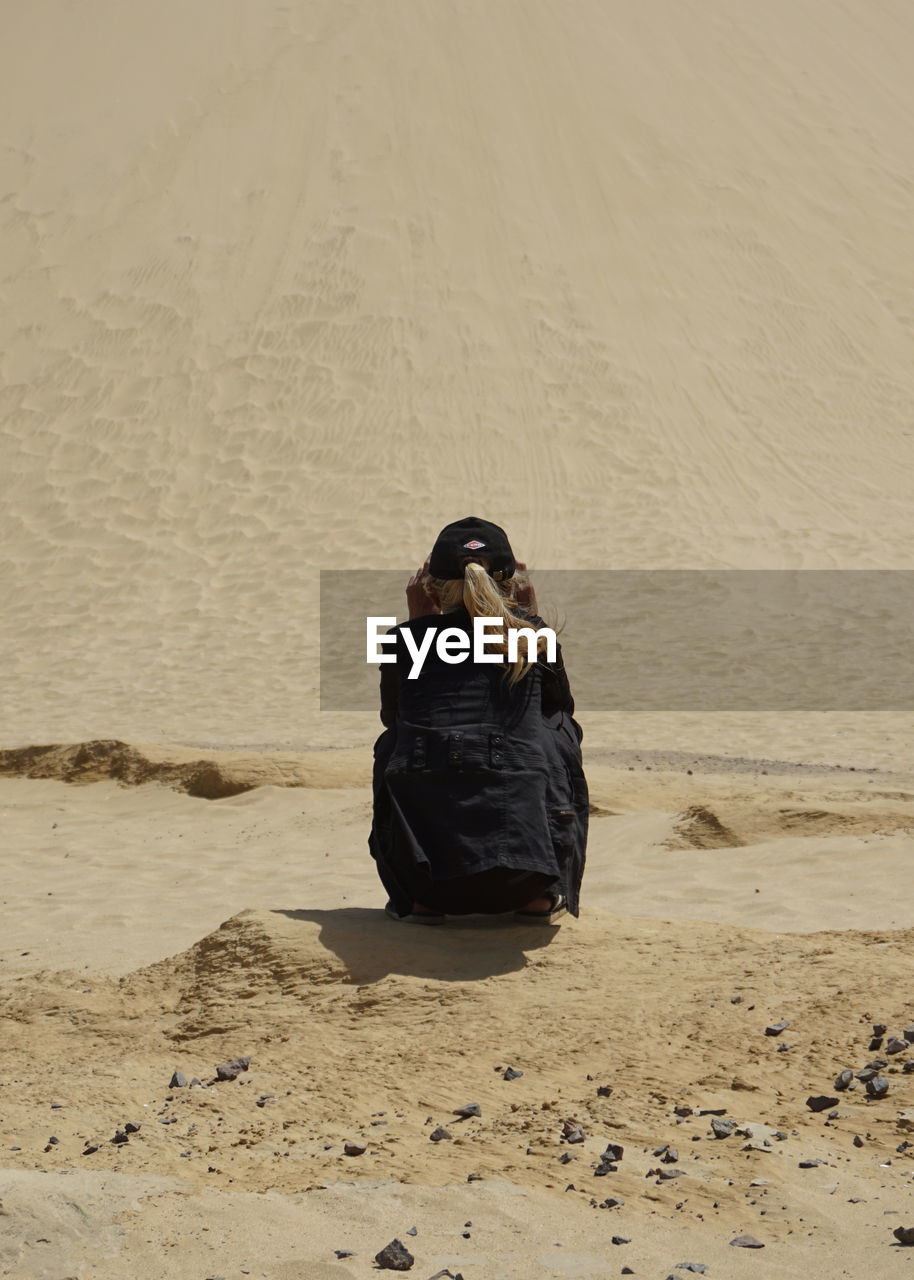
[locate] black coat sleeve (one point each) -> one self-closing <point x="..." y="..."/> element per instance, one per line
<point x="390" y="690"/>
<point x="556" y="689"/>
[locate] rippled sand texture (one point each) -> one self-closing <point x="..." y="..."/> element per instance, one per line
<point x="288" y="286"/>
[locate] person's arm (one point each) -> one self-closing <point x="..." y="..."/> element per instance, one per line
<point x="556" y="695"/>
<point x="390" y="690"/>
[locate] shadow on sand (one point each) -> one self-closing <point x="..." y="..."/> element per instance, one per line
<point x="371" y="946"/>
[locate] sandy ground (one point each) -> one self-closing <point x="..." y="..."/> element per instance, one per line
<point x="284" y="288"/>
<point x="716" y="904"/>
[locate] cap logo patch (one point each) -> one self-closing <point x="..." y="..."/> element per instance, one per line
<point x="473" y="545"/>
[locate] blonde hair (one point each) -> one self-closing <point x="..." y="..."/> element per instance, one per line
<point x="483" y="597"/>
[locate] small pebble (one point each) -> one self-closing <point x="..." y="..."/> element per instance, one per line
<point x="878" y="1087"/>
<point x="843" y="1079"/>
<point x="722" y="1128"/>
<point x="511" y="1074"/>
<point x="232" y="1070"/>
<point x="471" y="1109"/>
<point x="821" y="1102"/>
<point x="904" y="1235"/>
<point x="439" y="1135"/>
<point x="355" y="1148"/>
<point x="896" y="1046"/>
<point x="177" y="1081"/>
<point x="775" y="1028"/>
<point x="747" y="1242"/>
<point x="394" y="1257"/>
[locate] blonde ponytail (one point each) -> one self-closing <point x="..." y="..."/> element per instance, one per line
<point x="483" y="597"/>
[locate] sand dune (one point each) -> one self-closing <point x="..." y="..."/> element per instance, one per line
<point x="289" y="287"/>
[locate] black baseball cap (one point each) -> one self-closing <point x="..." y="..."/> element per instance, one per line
<point x="469" y="539"/>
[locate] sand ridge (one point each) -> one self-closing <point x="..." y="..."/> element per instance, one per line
<point x="312" y="996"/>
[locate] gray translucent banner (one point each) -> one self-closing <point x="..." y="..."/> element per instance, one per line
<point x="677" y="640"/>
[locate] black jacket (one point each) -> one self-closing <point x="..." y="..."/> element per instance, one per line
<point x="471" y="775"/>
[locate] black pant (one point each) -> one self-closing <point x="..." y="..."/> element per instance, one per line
<point x="487" y="892"/>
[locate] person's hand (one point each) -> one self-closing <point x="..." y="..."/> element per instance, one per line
<point x="417" y="597"/>
<point x="524" y="594"/>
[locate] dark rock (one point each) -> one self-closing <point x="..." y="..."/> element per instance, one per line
<point x="658" y="1151"/>
<point x="355" y="1148"/>
<point x="474" y="1177"/>
<point x="439" y="1135"/>
<point x="627" y="1271"/>
<point x="879" y="1028"/>
<point x="867" y="1074"/>
<point x="90" y="1149"/>
<point x="232" y="1070"/>
<point x="604" y="1090"/>
<point x="130" y="1127"/>
<point x="413" y="1231"/>
<point x="736" y="999"/>
<point x="858" y="1141"/>
<point x="566" y="1157"/>
<point x="621" y="1240"/>
<point x="52" y="1142"/>
<point x="605" y="1167"/>
<point x="614" y="1151"/>
<point x="875" y="1043"/>
<point x="811" y="1164"/>
<point x="908" y="1034"/>
<point x="471" y="1109"/>
<point x="667" y="1175"/>
<point x="878" y="1087"/>
<point x="722" y="1128"/>
<point x="120" y="1137"/>
<point x="698" y="1267"/>
<point x="572" y="1131"/>
<point x="670" y="1156"/>
<point x="611" y="1202"/>
<point x="775" y="1028"/>
<point x="820" y="1102"/>
<point x="682" y="1110"/>
<point x="784" y="1048"/>
<point x="713" y="1111"/>
<point x="177" y="1081"/>
<point x="896" y="1046"/>
<point x="843" y="1079"/>
<point x="344" y="1253"/>
<point x="394" y="1257"/>
<point x="197" y="1084"/>
<point x="833" y="1114"/>
<point x="904" y="1235"/>
<point x="908" y="1067"/>
<point x="511" y="1074"/>
<point x="747" y="1242"/>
